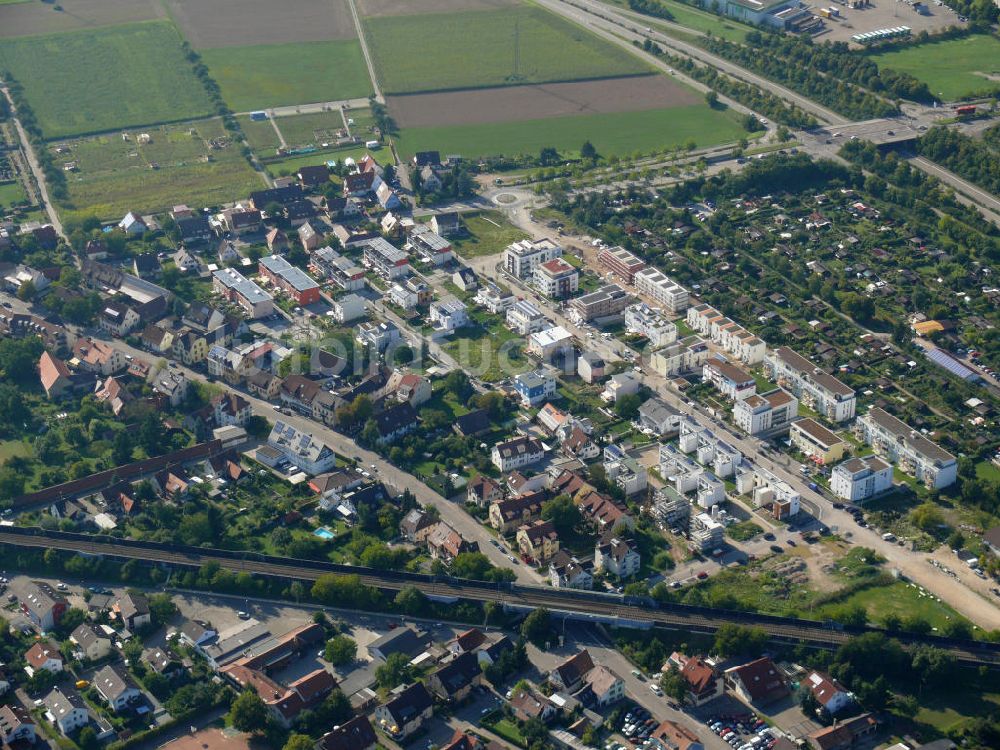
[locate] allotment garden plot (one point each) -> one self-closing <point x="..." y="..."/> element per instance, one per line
<point x="94" y="81"/>
<point x="26" y="18"/>
<point x="195" y="163"/>
<point x="521" y="44"/>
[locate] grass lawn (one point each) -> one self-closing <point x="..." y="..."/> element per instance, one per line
<point x="102" y="79"/>
<point x="117" y="176"/>
<point x="985" y="470"/>
<point x="487" y="233"/>
<point x="490" y="354"/>
<point x="509" y="730"/>
<point x="695" y="19"/>
<point x="899" y="599"/>
<point x="436" y="51"/>
<point x="948" y="707"/>
<point x="260" y="134"/>
<point x="291" y="164"/>
<point x="618" y="133"/>
<point x="11" y="448"/>
<point x="11" y="193"/>
<point x="950" y="67"/>
<point x="275" y="75"/>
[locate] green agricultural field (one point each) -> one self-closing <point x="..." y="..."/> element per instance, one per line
<point x="613" y="134"/>
<point x="102" y="79"/>
<point x="260" y="134"/>
<point x="437" y="51"/>
<point x="178" y="165"/>
<point x="953" y="68"/>
<point x="276" y="75"/>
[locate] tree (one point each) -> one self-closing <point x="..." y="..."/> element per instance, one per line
<point x="340" y="650"/>
<point x="956" y="540"/>
<point x="627" y="406"/>
<point x="395" y="671"/>
<point x="26" y="291"/>
<point x="673" y="684"/>
<point x="161" y="608"/>
<point x="87" y="739"/>
<point x="731" y="640"/>
<point x="121" y="448"/>
<point x="562" y="512"/>
<point x="588" y="152"/>
<point x="548" y="156"/>
<point x="411" y="601"/>
<point x="369" y="433"/>
<point x="712" y="98"/>
<point x="537" y="627"/>
<point x="299" y="742"/>
<point x="248" y="713"/>
<point x="927" y="516"/>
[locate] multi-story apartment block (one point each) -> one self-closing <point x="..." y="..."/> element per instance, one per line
<point x="495" y="299"/>
<point x="768" y="490"/>
<point x="731" y="381"/>
<point x="534" y="387"/>
<point x="522" y="258"/>
<point x="678" y="470"/>
<point x="910" y="451"/>
<point x="684" y="356"/>
<point x="616" y="556"/>
<point x="645" y="321"/>
<point x="704" y="533"/>
<point x="556" y="278"/>
<point x="627" y="473"/>
<point x="236" y="288"/>
<point x="659" y="287"/>
<point x="327" y="263"/>
<point x="858" y="479"/>
<point x="817" y="442"/>
<point x="524" y="318"/>
<point x="606" y="302"/>
<point x="385" y="259"/>
<point x="767" y="412"/>
<point x="431" y="246"/>
<point x="513" y="454"/>
<point x="621" y="263"/>
<point x="817" y="389"/>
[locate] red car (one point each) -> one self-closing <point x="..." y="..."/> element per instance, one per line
<point x="702" y="575"/>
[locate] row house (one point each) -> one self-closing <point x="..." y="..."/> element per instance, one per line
<point x="909" y="450"/>
<point x="430" y="246"/>
<point x="295" y="282"/>
<point x="236" y="288"/>
<point x="327" y="263"/>
<point x="815" y="388"/>
<point x="818" y="443"/>
<point x="117" y="318"/>
<point x="19" y="325"/>
<point x="735" y="339"/>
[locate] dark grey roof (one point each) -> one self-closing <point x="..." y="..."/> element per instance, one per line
<point x="400" y="641"/>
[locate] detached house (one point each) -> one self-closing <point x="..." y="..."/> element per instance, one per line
<point x="454" y="681"/>
<point x="703" y="684"/>
<point x="116" y="687"/>
<point x="67" y="710"/>
<point x="515" y="453"/>
<point x="757" y="683"/>
<point x="91" y="641"/>
<point x="405" y="712"/>
<point x="569" y="675"/>
<point x="43" y="656"/>
<point x="617" y="557"/>
<point x="538" y="541"/>
<point x="133" y="611"/>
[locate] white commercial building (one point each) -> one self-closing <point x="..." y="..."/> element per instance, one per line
<point x="556" y="278"/>
<point x="912" y="453"/>
<point x="550" y="342"/>
<point x="858" y="479"/>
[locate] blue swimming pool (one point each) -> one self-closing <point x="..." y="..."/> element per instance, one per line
<point x="324" y="533"/>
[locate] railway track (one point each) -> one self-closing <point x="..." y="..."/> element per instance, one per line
<point x="585" y="604"/>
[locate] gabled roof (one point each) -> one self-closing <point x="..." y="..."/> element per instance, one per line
<point x="574" y="668"/>
<point x="356" y="734"/>
<point x="459" y="673"/>
<point x="409" y="703"/>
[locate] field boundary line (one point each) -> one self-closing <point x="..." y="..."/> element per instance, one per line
<point x="547" y="82"/>
<point x="359" y="28"/>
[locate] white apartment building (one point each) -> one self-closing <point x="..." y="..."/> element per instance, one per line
<point x="704" y="533"/>
<point x="513" y="454"/>
<point x="767" y="412"/>
<point x="556" y="278"/>
<point x="710" y="491"/>
<point x="349" y="307"/>
<point x="643" y="320"/>
<point x="550" y="342"/>
<point x="910" y="451"/>
<point x="678" y="470"/>
<point x="683" y="356"/>
<point x="616" y="556"/>
<point x="327" y="263"/>
<point x="817" y="389"/>
<point x="385" y="259"/>
<point x="728" y="379"/>
<point x="768" y="490"/>
<point x="659" y="287"/>
<point x="522" y="258"/>
<point x="448" y="314"/>
<point x="524" y="318"/>
<point x="858" y="479"/>
<point x="237" y="288"/>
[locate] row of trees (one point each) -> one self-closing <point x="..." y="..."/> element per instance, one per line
<point x="55" y="178"/>
<point x="975" y="160"/>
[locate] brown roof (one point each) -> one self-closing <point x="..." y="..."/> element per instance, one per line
<point x="761" y="679"/>
<point x="601" y="679"/>
<point x="574" y="668"/>
<point x="470" y="639"/>
<point x="699" y="676"/>
<point x="674" y="735"/>
<point x="41" y="652"/>
<point x="817" y="432"/>
<point x="356" y="734"/>
<point x="50" y="370"/>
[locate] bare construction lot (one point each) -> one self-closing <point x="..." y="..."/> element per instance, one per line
<point x="22" y="19"/>
<point x="374" y="8"/>
<point x="515" y="103"/>
<point x="236" y="23"/>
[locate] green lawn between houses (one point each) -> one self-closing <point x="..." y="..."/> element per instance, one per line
<point x="618" y="133"/>
<point x="102" y="79"/>
<point x="487" y="233"/>
<point x="950" y="68"/>
<point x="274" y="75"/>
<point x="472" y="49"/>
<point x="11" y="193"/>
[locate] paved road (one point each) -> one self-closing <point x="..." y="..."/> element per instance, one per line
<point x="36" y="168"/>
<point x="313" y="107"/>
<point x="981" y="197"/>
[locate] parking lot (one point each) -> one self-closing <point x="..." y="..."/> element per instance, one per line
<point x="885" y="14"/>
